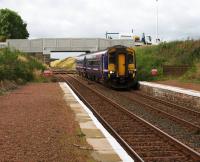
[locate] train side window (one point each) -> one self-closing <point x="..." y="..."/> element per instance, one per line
<point x="130" y="59"/>
<point x="95" y="62"/>
<point x="88" y="62"/>
<point x="91" y="62"/>
<point x="85" y="62"/>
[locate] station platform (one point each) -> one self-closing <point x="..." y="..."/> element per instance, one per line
<point x="178" y="95"/>
<point x="104" y="147"/>
<point x="37" y="125"/>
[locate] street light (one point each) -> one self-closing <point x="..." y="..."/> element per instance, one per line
<point x="157" y="40"/>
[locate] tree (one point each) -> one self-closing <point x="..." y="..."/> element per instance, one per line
<point x="11" y="25"/>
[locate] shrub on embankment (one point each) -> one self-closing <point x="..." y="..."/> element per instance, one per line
<point x="172" y="53"/>
<point x="19" y="67"/>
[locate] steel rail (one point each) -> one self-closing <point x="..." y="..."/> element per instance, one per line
<point x="194" y="154"/>
<point x="196" y="113"/>
<point x="172" y="117"/>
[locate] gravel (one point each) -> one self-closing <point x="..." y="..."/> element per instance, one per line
<point x="36" y="125"/>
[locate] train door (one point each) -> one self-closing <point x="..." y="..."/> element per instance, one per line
<point x="85" y="67"/>
<point x="84" y="62"/>
<point x="102" y="63"/>
<point x="121" y="64"/>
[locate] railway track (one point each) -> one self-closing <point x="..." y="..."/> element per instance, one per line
<point x="182" y="114"/>
<point x="176" y="106"/>
<point x="62" y="71"/>
<point x="142" y="140"/>
<point x="177" y="127"/>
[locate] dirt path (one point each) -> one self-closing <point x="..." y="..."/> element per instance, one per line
<point x="175" y="83"/>
<point x="36" y="125"/>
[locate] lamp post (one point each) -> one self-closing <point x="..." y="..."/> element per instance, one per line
<point x="157" y="21"/>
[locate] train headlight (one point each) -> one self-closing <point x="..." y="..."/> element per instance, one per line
<point x="111" y="72"/>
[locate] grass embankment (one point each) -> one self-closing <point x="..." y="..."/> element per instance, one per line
<point x="18" y="68"/>
<point x="67" y="63"/>
<point x="173" y="53"/>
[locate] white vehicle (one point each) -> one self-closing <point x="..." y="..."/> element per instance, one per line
<point x="147" y="40"/>
<point x="126" y="36"/>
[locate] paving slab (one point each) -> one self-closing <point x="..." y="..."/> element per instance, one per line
<point x="87" y="125"/>
<point x="105" y="157"/>
<point x="94" y="133"/>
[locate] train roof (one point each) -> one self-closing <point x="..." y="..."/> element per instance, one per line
<point x="93" y="53"/>
<point x="102" y="51"/>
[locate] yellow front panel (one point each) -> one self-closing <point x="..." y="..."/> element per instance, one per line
<point x="111" y="67"/>
<point x="131" y="66"/>
<point x="121" y="63"/>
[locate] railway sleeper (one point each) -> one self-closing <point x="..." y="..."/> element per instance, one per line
<point x="154" y="148"/>
<point x="156" y="153"/>
<point x="167" y="159"/>
<point x="145" y="144"/>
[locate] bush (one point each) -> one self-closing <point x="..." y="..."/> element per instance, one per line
<point x="192" y="74"/>
<point x="146" y="61"/>
<point x="172" y="53"/>
<point x="18" y="66"/>
<point x="2" y="38"/>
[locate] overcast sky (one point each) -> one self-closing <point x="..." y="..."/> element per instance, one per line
<point x="178" y="19"/>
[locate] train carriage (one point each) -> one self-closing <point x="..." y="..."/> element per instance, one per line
<point x="115" y="66"/>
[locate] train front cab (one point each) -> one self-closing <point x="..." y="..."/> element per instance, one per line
<point x="122" y="67"/>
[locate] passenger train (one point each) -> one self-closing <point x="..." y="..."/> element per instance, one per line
<point x="115" y="66"/>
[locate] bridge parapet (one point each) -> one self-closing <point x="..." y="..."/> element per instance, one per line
<point x="26" y="45"/>
<point x="47" y="45"/>
<point x="3" y="44"/>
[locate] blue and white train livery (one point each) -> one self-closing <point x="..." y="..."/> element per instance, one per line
<point x="115" y="66"/>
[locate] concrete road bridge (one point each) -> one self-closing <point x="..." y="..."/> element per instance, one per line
<point x="45" y="46"/>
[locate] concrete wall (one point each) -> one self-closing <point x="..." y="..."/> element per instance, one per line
<point x="25" y="45"/>
<point x="186" y="98"/>
<point x="3" y="44"/>
<point x="65" y="44"/>
<point x="70" y="44"/>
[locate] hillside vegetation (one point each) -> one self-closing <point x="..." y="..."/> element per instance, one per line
<point x="67" y="63"/>
<point x="19" y="67"/>
<point x="173" y="53"/>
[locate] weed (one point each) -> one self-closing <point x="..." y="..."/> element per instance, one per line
<point x="81" y="134"/>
